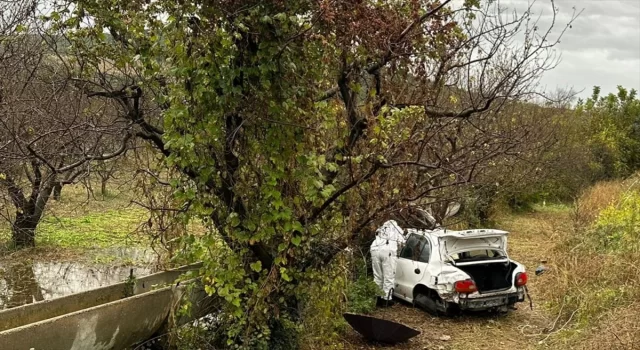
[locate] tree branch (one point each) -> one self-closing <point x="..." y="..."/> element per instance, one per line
<point x="317" y="212"/>
<point x="15" y="193"/>
<point x="114" y="154"/>
<point x="388" y="56"/>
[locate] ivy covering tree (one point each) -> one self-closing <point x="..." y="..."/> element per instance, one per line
<point x="296" y="126"/>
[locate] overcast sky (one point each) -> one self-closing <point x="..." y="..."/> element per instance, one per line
<point x="602" y="48"/>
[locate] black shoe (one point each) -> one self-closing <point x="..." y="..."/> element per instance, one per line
<point x="384" y="302"/>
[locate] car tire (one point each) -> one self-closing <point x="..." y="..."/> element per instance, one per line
<point x="426" y="303"/>
<point x="431" y="302"/>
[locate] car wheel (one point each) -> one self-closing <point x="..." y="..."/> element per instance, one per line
<point x="426" y="303"/>
<point x="430" y="301"/>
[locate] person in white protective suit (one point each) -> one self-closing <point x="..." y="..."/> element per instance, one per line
<point x="384" y="253"/>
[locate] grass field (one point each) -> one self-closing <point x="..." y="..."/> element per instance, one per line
<point x="80" y="226"/>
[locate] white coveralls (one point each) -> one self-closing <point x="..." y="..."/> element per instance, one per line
<point x="384" y="253"/>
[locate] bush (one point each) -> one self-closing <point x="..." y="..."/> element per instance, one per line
<point x="323" y="302"/>
<point x="362" y="292"/>
<point x="347" y="287"/>
<point x="361" y="295"/>
<point x="618" y="226"/>
<point x="284" y="335"/>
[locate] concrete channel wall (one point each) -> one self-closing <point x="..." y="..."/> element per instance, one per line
<point x="101" y="319"/>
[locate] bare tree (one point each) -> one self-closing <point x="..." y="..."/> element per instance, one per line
<point x="49" y="131"/>
<point x="105" y="170"/>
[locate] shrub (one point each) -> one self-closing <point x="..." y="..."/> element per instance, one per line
<point x="284" y="335"/>
<point x="323" y="303"/>
<point x="361" y="295"/>
<point x="618" y="226"/>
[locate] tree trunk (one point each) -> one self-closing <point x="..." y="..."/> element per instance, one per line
<point x="57" y="190"/>
<point x="24" y="230"/>
<point x="103" y="187"/>
<point x="28" y="216"/>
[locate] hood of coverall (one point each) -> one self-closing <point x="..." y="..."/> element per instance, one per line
<point x="389" y="230"/>
<point x="387" y="236"/>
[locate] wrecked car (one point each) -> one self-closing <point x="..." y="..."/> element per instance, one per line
<point x="444" y="271"/>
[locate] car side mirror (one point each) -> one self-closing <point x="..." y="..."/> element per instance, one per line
<point x="417" y="271"/>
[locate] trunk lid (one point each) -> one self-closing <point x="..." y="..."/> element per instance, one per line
<point x="452" y="242"/>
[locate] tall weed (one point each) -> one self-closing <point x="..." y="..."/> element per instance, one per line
<point x="594" y="200"/>
<point x="617" y="228"/>
<point x="598" y="263"/>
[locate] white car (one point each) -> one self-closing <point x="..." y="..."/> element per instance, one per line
<point x="445" y="271"/>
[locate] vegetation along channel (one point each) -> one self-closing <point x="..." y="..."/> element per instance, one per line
<point x="319" y="174"/>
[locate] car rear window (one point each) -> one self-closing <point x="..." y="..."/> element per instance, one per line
<point x="476" y="255"/>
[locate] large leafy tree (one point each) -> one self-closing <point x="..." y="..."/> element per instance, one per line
<point x="614" y="131"/>
<point x="296" y="125"/>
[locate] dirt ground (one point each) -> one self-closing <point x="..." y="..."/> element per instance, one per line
<point x="530" y="241"/>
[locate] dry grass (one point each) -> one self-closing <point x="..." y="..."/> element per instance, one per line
<point x="618" y="329"/>
<point x="599" y="196"/>
<point x="594" y="200"/>
<point x="596" y="287"/>
<point x="482" y="331"/>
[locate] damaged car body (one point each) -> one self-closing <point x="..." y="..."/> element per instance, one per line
<point x="444" y="271"/>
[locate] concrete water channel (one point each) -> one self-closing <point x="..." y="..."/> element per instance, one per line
<point x="71" y="306"/>
<point x="31" y="281"/>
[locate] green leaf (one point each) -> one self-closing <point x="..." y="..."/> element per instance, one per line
<point x="234" y="220"/>
<point x="209" y="290"/>
<point x="296" y="240"/>
<point x="285" y="276"/>
<point x="236" y="302"/>
<point x="297" y="226"/>
<point x="256" y="266"/>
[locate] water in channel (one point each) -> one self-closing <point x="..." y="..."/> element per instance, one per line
<point x="32" y="281"/>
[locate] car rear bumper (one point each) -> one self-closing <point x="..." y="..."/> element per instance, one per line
<point x="492" y="302"/>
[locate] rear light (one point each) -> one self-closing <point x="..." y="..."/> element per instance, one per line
<point x="521" y="279"/>
<point x="466" y="286"/>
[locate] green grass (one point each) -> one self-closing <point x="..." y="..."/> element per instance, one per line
<point x="80" y="226"/>
<point x="95" y="230"/>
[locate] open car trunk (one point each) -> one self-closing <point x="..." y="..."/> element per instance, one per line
<point x="491" y="276"/>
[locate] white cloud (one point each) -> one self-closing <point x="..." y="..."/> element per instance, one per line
<point x="602" y="48"/>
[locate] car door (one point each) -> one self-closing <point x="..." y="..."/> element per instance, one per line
<point x="411" y="265"/>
